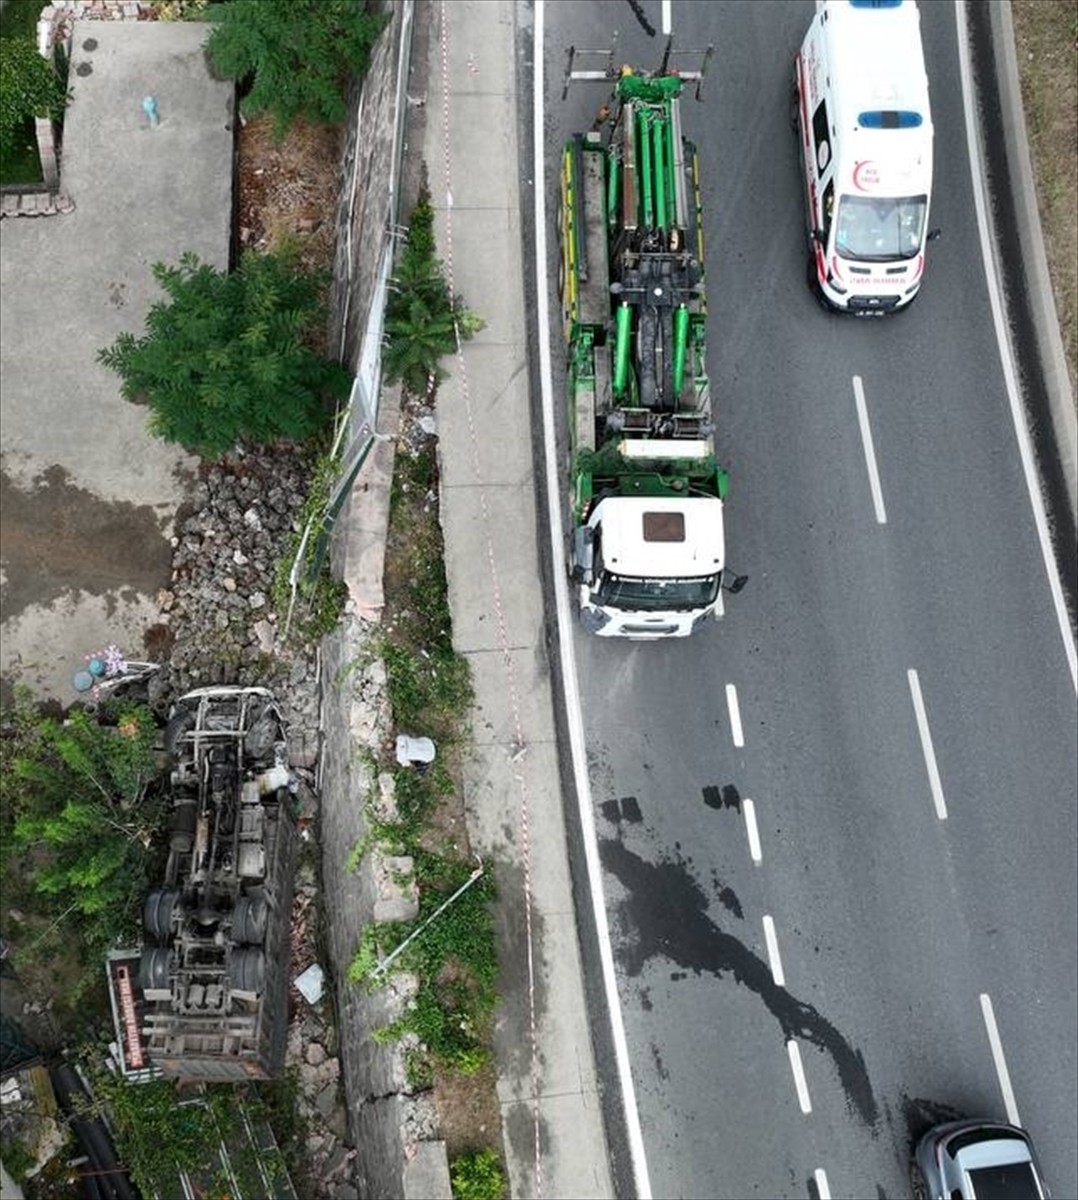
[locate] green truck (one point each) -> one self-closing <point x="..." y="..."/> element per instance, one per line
<point x="648" y="547"/>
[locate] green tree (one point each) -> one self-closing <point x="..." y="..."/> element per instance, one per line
<point x="230" y="356"/>
<point x="77" y="810"/>
<point x="422" y="317"/>
<point x="29" y="87"/>
<point x="299" y="53"/>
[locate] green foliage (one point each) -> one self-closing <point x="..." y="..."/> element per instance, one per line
<point x="180" y="10"/>
<point x="29" y="87"/>
<point x="17" y="1159"/>
<point x="422" y="318"/>
<point x="299" y="52"/>
<point x="455" y="961"/>
<point x="152" y="1129"/>
<point x="477" y="1176"/>
<point x="77" y="813"/>
<point x="428" y="691"/>
<point x="320" y="598"/>
<point x="228" y="357"/>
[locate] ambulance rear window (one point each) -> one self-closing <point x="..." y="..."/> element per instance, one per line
<point x="889" y="118"/>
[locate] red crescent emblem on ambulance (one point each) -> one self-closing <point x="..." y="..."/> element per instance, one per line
<point x="866" y="176"/>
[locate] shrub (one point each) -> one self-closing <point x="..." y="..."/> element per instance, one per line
<point x="29" y="87"/>
<point x="299" y="53"/>
<point x="422" y="318"/>
<point x="477" y="1176"/>
<point x="77" y="812"/>
<point x="229" y="356"/>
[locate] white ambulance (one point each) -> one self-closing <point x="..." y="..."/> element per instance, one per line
<point x="865" y="130"/>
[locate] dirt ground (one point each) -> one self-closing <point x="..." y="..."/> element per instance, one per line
<point x="1046" y="40"/>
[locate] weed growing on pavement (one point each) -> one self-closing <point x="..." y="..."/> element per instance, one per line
<point x="423" y="319"/>
<point x="477" y="1176"/>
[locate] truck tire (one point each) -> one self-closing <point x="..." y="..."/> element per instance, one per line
<point x="249" y="920"/>
<point x="153" y="971"/>
<point x="247" y="970"/>
<point x="157" y="913"/>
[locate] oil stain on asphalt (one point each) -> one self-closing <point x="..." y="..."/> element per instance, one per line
<point x="679" y="929"/>
<point x="59" y="539"/>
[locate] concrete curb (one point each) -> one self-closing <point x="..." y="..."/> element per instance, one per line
<point x="1031" y="238"/>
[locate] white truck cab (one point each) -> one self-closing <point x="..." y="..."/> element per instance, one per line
<point x="650" y="567"/>
<point x="865" y="130"/>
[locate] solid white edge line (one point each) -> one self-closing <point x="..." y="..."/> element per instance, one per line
<point x="736" y="731"/>
<point x="823" y="1188"/>
<point x="773" y="951"/>
<point x="749" y="810"/>
<point x="926" y="745"/>
<point x="997" y="1057"/>
<point x="667" y="17"/>
<point x="870" y="450"/>
<point x="574" y="719"/>
<point x="1025" y="449"/>
<point x="800" y="1082"/>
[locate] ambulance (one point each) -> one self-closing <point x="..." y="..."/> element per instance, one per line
<point x="865" y="129"/>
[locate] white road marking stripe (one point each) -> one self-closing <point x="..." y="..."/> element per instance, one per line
<point x="823" y="1189"/>
<point x="574" y="716"/>
<point x="999" y="1060"/>
<point x="794" y="1052"/>
<point x="667" y="17"/>
<point x="926" y="746"/>
<point x="870" y="453"/>
<point x="1025" y="449"/>
<point x="735" y="715"/>
<point x="749" y="809"/>
<point x="773" y="951"/>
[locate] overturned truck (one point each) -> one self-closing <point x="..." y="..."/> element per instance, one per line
<point x="213" y="972"/>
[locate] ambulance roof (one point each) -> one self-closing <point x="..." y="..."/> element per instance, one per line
<point x="660" y="538"/>
<point x="877" y="71"/>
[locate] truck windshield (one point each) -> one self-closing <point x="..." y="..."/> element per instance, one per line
<point x="880" y="229"/>
<point x="655" y="595"/>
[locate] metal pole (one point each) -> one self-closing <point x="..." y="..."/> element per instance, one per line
<point x="383" y="966"/>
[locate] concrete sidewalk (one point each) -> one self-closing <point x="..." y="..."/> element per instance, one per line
<point x="549" y="1092"/>
<point x="88" y="496"/>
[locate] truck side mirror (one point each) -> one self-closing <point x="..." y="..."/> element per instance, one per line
<point x="738" y="583"/>
<point x="934" y="235"/>
<point x="582" y="560"/>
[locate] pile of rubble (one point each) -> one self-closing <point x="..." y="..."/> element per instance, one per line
<point x="314" y="1055"/>
<point x="219" y="621"/>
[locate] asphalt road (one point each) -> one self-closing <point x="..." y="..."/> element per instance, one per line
<point x="890" y="924"/>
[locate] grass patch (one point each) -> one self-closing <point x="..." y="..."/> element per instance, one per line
<point x="1046" y="41"/>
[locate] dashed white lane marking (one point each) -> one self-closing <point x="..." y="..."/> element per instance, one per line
<point x="999" y="1060"/>
<point x="926" y="746"/>
<point x="749" y="809"/>
<point x="667" y="17"/>
<point x="794" y="1052"/>
<point x="870" y="453"/>
<point x="735" y="715"/>
<point x="773" y="951"/>
<point x="823" y="1188"/>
